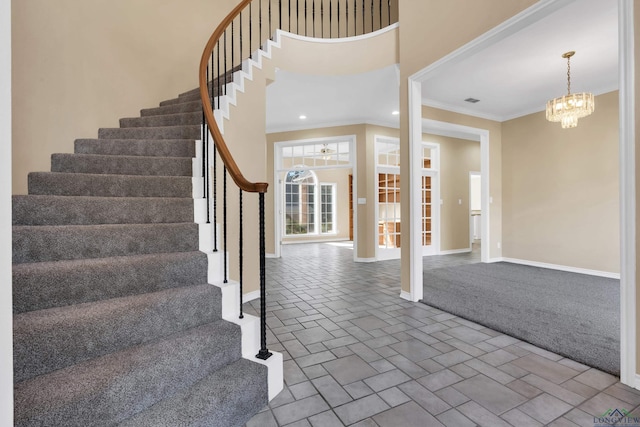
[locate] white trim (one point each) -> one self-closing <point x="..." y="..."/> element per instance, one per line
<point x="391" y="124"/>
<point x="636" y="382"/>
<point x="626" y="69"/>
<point x="271" y="256"/>
<point x="282" y="33"/>
<point x="415" y="187"/>
<point x="357" y="259"/>
<point x="330" y="238"/>
<point x="455" y="251"/>
<point x="6" y="317"/>
<point x="250" y="296"/>
<point x="460" y="110"/>
<point x="507" y="28"/>
<point x="559" y="267"/>
<point x="406" y="296"/>
<point x="495" y="117"/>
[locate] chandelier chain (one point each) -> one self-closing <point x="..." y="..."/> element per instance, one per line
<point x="569" y="75"/>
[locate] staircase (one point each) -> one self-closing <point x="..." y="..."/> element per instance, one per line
<point x="114" y="320"/>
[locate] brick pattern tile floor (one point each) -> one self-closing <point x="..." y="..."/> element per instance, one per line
<point x="356" y="354"/>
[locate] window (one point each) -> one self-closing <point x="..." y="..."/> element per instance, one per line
<point x="309" y="206"/>
<point x="327" y="204"/>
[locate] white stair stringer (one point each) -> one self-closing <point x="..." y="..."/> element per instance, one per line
<point x="249" y="324"/>
<point x="223" y="108"/>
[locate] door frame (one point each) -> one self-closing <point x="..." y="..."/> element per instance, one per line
<point x="278" y="197"/>
<point x="627" y="154"/>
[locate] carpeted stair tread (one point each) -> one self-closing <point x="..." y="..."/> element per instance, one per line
<point x="161" y="132"/>
<point x="142" y="147"/>
<point x="121" y="165"/>
<point x="107" y="185"/>
<point x="112" y="388"/>
<point x="180" y="119"/>
<point x="85" y="210"/>
<point x="42" y="243"/>
<point x="184" y="107"/>
<point x="42" y="339"/>
<point x="227" y="398"/>
<point x="43" y="285"/>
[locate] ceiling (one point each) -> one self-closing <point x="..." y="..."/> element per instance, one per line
<point x="511" y="78"/>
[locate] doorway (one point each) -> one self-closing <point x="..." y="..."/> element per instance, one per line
<point x="314" y="179"/>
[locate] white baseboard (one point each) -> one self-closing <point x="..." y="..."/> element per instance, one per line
<point x="562" y="268"/>
<point x="455" y="251"/>
<point x="328" y="239"/>
<point x="251" y="296"/>
<point x="406" y="295"/>
<point x="636" y="383"/>
<point x="273" y="256"/>
<point x="365" y="260"/>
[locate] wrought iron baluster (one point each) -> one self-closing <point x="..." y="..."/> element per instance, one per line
<point x="346" y="11"/>
<point x="250" y="31"/>
<point x="322" y="18"/>
<point x="270" y="32"/>
<point x="263" y="353"/>
<point x="225" y="61"/>
<point x="240" y="38"/>
<point x="240" y="260"/>
<point x="313" y="17"/>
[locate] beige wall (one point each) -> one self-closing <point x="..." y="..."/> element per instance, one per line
<point x="560" y="189"/>
<point x="494" y="243"/>
<point x="427" y="35"/>
<point x="458" y="157"/>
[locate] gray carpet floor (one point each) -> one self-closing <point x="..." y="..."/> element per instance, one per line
<point x="571" y="314"/>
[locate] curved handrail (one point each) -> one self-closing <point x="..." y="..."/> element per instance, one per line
<point x="360" y="12"/>
<point x="232" y="167"/>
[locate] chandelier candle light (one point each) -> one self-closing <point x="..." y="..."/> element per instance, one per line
<point x="569" y="108"/>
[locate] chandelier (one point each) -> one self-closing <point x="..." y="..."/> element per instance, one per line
<point x="569" y="108"/>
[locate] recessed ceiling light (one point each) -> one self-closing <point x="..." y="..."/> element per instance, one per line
<point x="302" y="117"/>
<point x="472" y="100"/>
<point x="395" y="113"/>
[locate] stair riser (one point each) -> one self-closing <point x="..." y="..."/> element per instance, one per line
<point x="110" y="389"/>
<point x="42" y="243"/>
<point x="58" y="210"/>
<point x="41" y="339"/>
<point x="185" y="107"/>
<point x="127" y="147"/>
<point x="170" y="132"/>
<point x="121" y="165"/>
<point x="43" y="285"/>
<point x="168" y="120"/>
<point x="69" y="184"/>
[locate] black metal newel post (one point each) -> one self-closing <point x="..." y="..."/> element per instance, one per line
<point x="263" y="354"/>
<point x="240" y="253"/>
<point x="224" y="222"/>
<point x="215" y="199"/>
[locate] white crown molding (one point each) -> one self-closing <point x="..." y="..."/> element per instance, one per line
<point x="460" y="110"/>
<point x="338" y="123"/>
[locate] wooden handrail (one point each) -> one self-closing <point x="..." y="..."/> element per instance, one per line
<point x="221" y="146"/>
